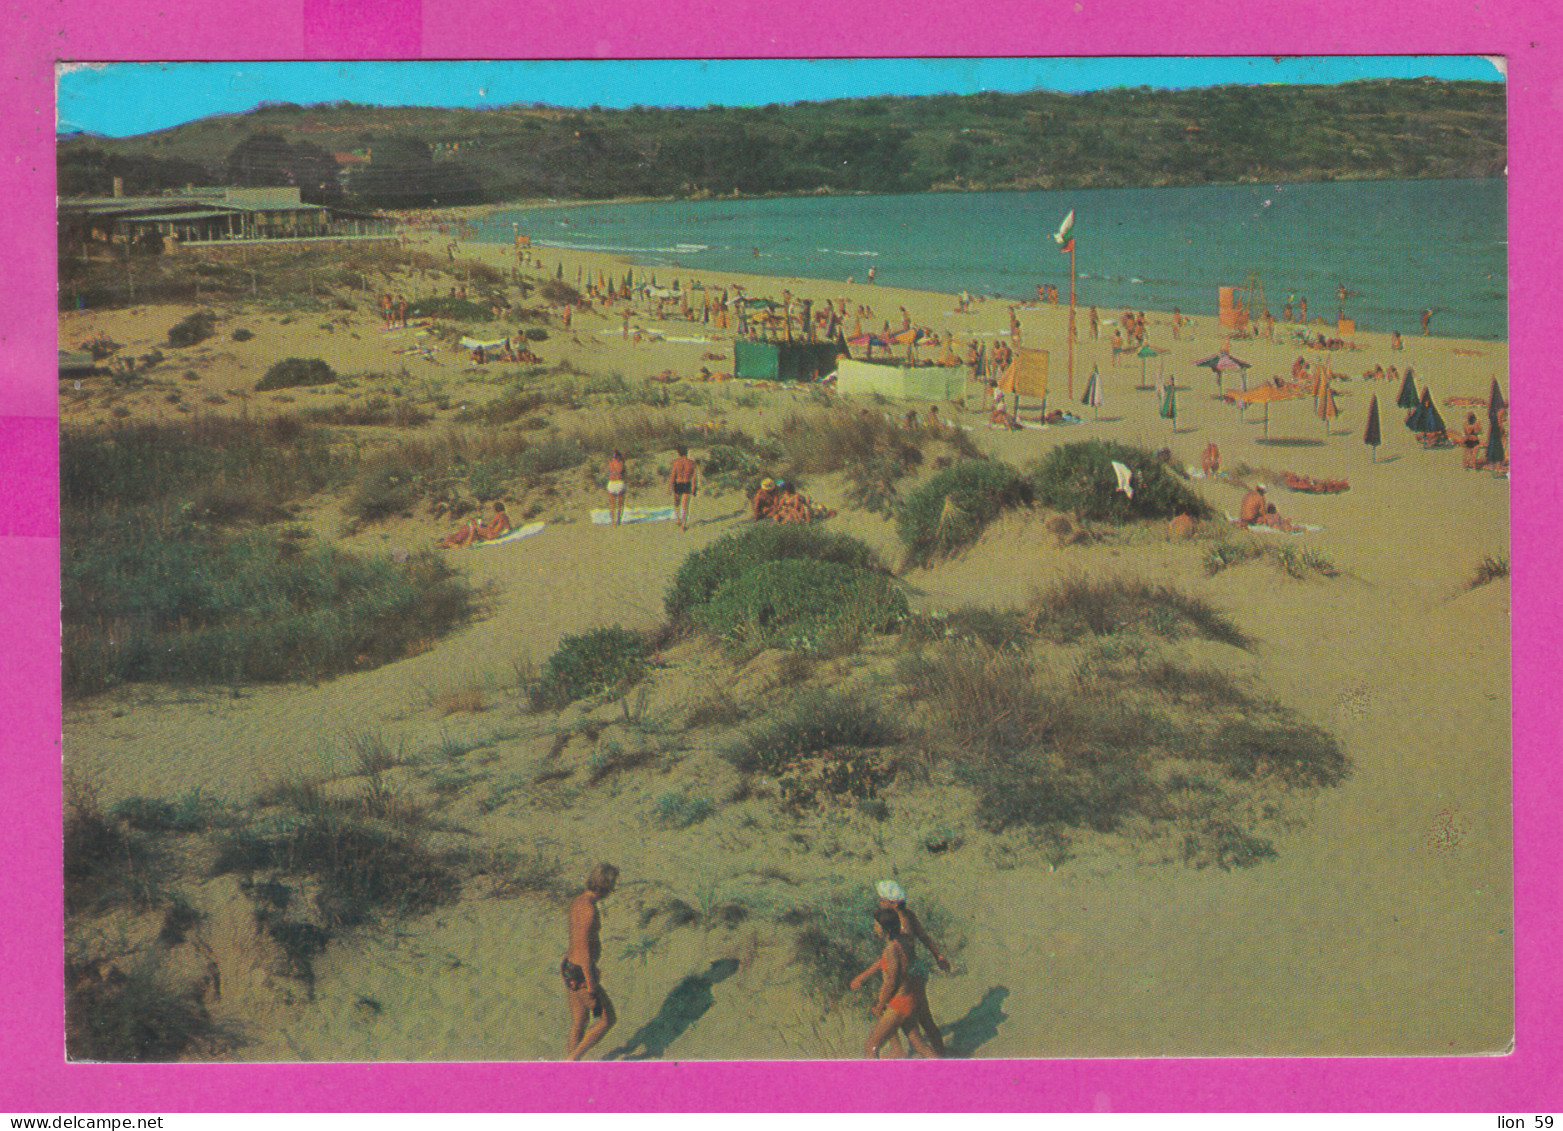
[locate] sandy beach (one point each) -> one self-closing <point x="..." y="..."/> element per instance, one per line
<point x="1383" y="925"/>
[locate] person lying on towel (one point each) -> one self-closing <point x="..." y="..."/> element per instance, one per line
<point x="496" y="526"/>
<point x="1258" y="511"/>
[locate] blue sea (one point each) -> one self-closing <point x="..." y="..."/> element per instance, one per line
<point x="1401" y="246"/>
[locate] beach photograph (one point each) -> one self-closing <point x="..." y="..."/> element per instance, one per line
<point x="785" y="560"/>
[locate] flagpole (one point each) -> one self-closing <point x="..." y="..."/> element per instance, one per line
<point x="1071" y="317"/>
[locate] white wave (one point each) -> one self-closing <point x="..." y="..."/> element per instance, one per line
<point x="839" y="251"/>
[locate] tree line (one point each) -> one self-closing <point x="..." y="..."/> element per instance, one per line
<point x="423" y="156"/>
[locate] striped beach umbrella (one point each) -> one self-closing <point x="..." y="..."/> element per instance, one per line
<point x="1169" y="405"/>
<point x="1328" y="409"/>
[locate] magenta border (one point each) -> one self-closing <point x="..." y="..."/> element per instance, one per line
<point x="34" y="1075"/>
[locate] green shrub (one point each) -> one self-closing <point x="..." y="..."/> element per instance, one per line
<point x="455" y="309"/>
<point x="705" y="571"/>
<point x="256" y="607"/>
<point x="241" y="335"/>
<point x="192" y="329"/>
<point x="293" y="372"/>
<point x="952" y="509"/>
<point x="588" y="664"/>
<point x="801" y="603"/>
<point x="536" y="334"/>
<point x="1078" y="478"/>
<point x="817" y="722"/>
<point x="680" y="810"/>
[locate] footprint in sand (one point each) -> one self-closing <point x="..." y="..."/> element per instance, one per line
<point x="1355" y="702"/>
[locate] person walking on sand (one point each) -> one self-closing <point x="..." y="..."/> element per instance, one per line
<point x="617" y="485"/>
<point x="1427" y="318"/>
<point x="892" y="897"/>
<point x="896" y="1007"/>
<point x="683" y="476"/>
<point x="587" y="998"/>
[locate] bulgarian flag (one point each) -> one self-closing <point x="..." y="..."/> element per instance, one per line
<point x="1062" y="237"/>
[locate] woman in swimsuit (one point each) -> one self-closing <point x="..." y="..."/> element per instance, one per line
<point x="898" y="996"/>
<point x="893" y="897"/>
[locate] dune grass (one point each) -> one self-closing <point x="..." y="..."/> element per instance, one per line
<point x="1489" y="569"/>
<point x="1108" y="744"/>
<point x="1080" y="606"/>
<point x="148" y="605"/>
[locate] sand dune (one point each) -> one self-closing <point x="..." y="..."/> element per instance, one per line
<point x="1382" y="926"/>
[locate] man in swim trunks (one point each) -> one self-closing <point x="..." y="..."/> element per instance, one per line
<point x="616" y="487"/>
<point x="897" y="1005"/>
<point x="1257" y="511"/>
<point x="579" y="968"/>
<point x="684" y="478"/>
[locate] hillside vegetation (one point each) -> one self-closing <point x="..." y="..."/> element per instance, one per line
<point x="1372" y="129"/>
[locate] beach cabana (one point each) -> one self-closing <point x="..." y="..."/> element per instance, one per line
<point x="924" y="382"/>
<point x="783" y="361"/>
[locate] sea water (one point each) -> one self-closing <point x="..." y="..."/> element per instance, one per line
<point x="1399" y="247"/>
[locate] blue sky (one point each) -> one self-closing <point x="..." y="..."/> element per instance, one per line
<point x="120" y="99"/>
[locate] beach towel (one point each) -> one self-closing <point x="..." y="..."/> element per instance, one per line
<point x="515" y="535"/>
<point x="604" y="517"/>
<point x="1125" y="477"/>
<point x="1260" y="528"/>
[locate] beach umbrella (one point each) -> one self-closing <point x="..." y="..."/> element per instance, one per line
<point x="1225" y="363"/>
<point x="1328" y="410"/>
<point x="1093" y="392"/>
<point x="1495" y="401"/>
<point x="1265" y="394"/>
<point x="1406" y="398"/>
<point x="1425" y="417"/>
<point x="1145" y="353"/>
<point x="869" y="341"/>
<point x="1495" y="452"/>
<point x="1169" y="405"/>
<point x="1370" y="434"/>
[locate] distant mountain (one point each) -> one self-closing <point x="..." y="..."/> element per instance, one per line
<point x="409" y="155"/>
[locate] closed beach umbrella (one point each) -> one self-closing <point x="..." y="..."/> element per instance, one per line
<point x="1425" y="417"/>
<point x="1370" y="434"/>
<point x="1169" y="405"/>
<point x="1328" y="410"/>
<point x="1093" y="392"/>
<point x="1495" y="401"/>
<point x="1406" y="398"/>
<point x="1495" y="452"/>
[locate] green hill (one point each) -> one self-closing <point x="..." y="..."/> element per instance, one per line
<point x="1374" y="129"/>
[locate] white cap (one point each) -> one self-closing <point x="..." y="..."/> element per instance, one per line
<point x="889" y="889"/>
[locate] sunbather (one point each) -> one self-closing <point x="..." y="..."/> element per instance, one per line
<point x="1258" y="511"/>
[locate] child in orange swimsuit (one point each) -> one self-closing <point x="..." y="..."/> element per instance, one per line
<point x="897" y="1007"/>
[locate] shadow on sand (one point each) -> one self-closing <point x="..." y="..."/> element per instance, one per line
<point x="979" y="1026"/>
<point x="685" y="1004"/>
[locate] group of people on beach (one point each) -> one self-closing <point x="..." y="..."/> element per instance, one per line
<point x="900" y="1007"/>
